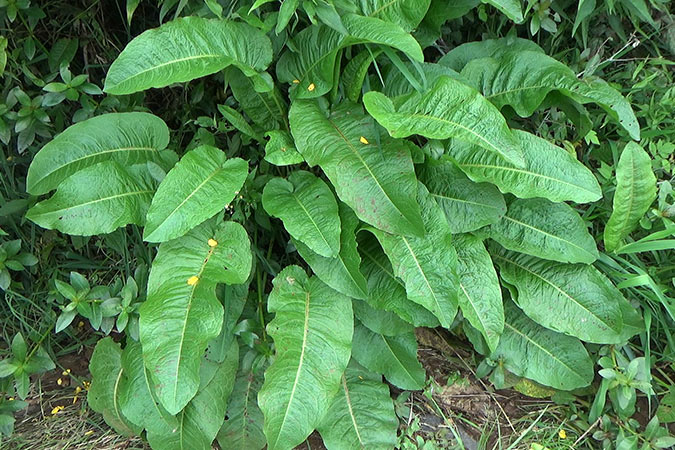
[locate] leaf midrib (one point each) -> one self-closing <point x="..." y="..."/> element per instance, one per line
<point x="191" y="297"/>
<point x="459" y="200"/>
<point x="98" y="200"/>
<point x="351" y="410"/>
<point x="527" y="172"/>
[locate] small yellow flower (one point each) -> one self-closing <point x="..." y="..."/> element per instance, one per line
<point x="78" y="390"/>
<point x="65" y="372"/>
<point x="311" y="87"/>
<point x="80" y="324"/>
<point x="86" y="384"/>
<point x="89" y="433"/>
<point x="74" y="399"/>
<point x="212" y="242"/>
<point x="59" y="381"/>
<point x="363" y="140"/>
<point x="562" y="434"/>
<point x="57" y="409"/>
<point x="193" y="280"/>
<point x="11" y="399"/>
<point x="296" y="81"/>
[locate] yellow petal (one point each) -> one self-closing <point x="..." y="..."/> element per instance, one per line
<point x="212" y="242"/>
<point x="59" y="381"/>
<point x="89" y="432"/>
<point x="193" y="280"/>
<point x="311" y="87"/>
<point x="562" y="434"/>
<point x="296" y="81"/>
<point x="363" y="140"/>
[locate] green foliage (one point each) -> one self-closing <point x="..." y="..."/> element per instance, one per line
<point x="397" y="176"/>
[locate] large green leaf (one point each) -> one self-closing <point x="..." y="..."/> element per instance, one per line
<point x="377" y="182"/>
<point x="311" y="69"/>
<point x="342" y="272"/>
<point x="523" y="79"/>
<point x="243" y="426"/>
<point x="361" y="415"/>
<point x="393" y="356"/>
<point x="635" y="192"/>
<point x="387" y="292"/>
<point x="549" y="358"/>
<point x="549" y="171"/>
<point x="405" y="13"/>
<point x="379" y="320"/>
<point x="547" y="230"/>
<point x="480" y="296"/>
<point x="308" y="209"/>
<point x="512" y="8"/>
<point x="127" y="138"/>
<point x="312" y="331"/>
<point x="574" y="299"/>
<point x="199" y="422"/>
<point x="95" y="200"/>
<point x="197" y="188"/>
<point x="459" y="57"/>
<point x="103" y="396"/>
<point x="450" y="109"/>
<point x="468" y="206"/>
<point x="182" y="313"/>
<point x="137" y="398"/>
<point x="427" y="265"/>
<point x="185" y="49"/>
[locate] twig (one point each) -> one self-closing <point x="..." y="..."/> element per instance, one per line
<point x="587" y="432"/>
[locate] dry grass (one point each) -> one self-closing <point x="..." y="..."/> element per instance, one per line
<point x="73" y="427"/>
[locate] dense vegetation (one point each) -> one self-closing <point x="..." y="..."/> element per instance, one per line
<point x="251" y="208"/>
